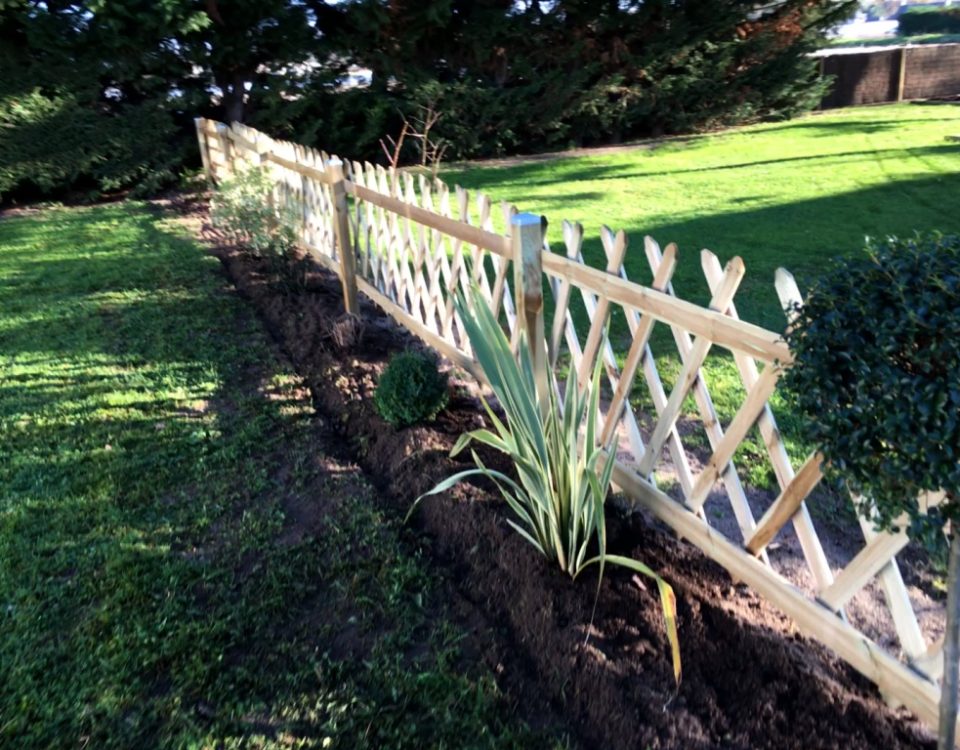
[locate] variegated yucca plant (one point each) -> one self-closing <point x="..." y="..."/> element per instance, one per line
<point x="563" y="472"/>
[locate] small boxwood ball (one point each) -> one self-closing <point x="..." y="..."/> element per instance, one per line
<point x="411" y="389"/>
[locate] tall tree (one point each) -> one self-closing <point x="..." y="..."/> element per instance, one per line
<point x="581" y="71"/>
<point x="103" y="87"/>
<point x="505" y="75"/>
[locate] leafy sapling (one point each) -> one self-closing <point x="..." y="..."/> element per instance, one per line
<point x="876" y="373"/>
<point x="244" y="208"/>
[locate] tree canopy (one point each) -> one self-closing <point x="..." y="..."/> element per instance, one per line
<point x="105" y="91"/>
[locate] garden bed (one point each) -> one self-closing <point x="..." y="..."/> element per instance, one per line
<point x="749" y="680"/>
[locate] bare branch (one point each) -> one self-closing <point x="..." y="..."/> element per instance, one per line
<point x="396" y="143"/>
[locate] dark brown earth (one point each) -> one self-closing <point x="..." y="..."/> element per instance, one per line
<point x="749" y="681"/>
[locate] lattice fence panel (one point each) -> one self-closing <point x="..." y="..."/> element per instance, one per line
<point x="418" y="243"/>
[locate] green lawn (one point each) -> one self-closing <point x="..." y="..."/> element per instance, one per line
<point x="159" y="584"/>
<point x="895" y="41"/>
<point x="790" y="194"/>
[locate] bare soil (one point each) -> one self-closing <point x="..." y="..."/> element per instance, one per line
<point x="750" y="681"/>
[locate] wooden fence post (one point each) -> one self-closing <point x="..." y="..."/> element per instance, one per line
<point x="261" y="146"/>
<point x="901" y="73"/>
<point x="226" y="146"/>
<point x="528" y="232"/>
<point x="341" y="225"/>
<point x="204" y="153"/>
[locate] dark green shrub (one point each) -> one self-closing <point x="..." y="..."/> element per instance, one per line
<point x="53" y="142"/>
<point x="876" y="373"/>
<point x="877" y="348"/>
<point x="411" y="389"/>
<point x="936" y="20"/>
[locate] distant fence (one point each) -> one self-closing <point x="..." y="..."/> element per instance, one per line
<point x="891" y="75"/>
<point x="410" y="243"/>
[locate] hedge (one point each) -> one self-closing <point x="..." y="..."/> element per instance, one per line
<point x="923" y="20"/>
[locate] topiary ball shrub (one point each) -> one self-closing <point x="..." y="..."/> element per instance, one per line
<point x="877" y="355"/>
<point x="876" y="373"/>
<point x="411" y="389"/>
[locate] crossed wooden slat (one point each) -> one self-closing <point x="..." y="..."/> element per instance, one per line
<point x="598" y="311"/>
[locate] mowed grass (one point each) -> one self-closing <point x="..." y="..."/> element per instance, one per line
<point x="159" y="586"/>
<point x="790" y="194"/>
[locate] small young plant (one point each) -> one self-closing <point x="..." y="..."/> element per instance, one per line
<point x="243" y="208"/>
<point x="876" y="352"/>
<point x="411" y="389"/>
<point x="564" y="473"/>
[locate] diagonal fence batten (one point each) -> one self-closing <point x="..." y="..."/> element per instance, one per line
<point x="411" y="244"/>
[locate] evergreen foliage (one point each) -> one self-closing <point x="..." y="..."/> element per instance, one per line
<point x="929" y="20"/>
<point x="532" y="76"/>
<point x="877" y="348"/>
<point x="105" y="92"/>
<point x="411" y="389"/>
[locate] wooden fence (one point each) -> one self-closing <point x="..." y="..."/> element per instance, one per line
<point x="890" y="75"/>
<point x="410" y="243"/>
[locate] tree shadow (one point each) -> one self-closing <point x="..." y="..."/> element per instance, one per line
<point x="550" y="173"/>
<point x="136" y="449"/>
<point x="183" y="564"/>
<point x="859" y="126"/>
<point x="766" y="237"/>
<point x="800" y="235"/>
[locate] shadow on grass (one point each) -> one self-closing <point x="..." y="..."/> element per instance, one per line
<point x="766" y="239"/>
<point x="126" y="440"/>
<point x="771" y="237"/>
<point x="856" y="126"/>
<point x="182" y="565"/>
<point x="542" y="173"/>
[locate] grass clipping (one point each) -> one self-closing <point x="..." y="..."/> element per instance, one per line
<point x="564" y="474"/>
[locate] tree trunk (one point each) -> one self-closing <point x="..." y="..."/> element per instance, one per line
<point x="233" y="91"/>
<point x="233" y="104"/>
<point x="951" y="649"/>
<point x="233" y="109"/>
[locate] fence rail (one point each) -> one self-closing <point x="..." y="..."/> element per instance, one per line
<point x="411" y="243"/>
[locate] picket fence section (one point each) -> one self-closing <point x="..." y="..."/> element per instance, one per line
<point x="410" y="243"/>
